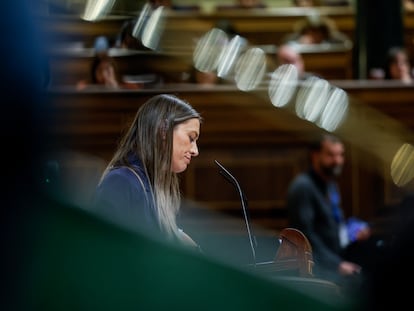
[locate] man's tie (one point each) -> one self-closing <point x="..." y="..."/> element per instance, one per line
<point x="335" y="202"/>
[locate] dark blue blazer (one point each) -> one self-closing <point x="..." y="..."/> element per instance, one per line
<point x="127" y="199"/>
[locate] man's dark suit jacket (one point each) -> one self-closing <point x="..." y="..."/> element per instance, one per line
<point x="309" y="211"/>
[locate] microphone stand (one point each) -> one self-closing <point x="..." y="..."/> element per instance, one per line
<point x="226" y="174"/>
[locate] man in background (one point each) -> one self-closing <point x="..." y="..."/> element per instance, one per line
<point x="314" y="207"/>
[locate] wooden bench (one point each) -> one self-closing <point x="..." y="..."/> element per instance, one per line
<point x="70" y="65"/>
<point x="261" y="27"/>
<point x="264" y="26"/>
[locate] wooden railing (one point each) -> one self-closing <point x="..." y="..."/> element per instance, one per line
<point x="68" y="66"/>
<point x="267" y="26"/>
<point x="263" y="28"/>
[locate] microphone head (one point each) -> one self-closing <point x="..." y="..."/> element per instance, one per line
<point x="226" y="174"/>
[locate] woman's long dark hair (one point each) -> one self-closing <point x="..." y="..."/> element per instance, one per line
<point x="150" y="139"/>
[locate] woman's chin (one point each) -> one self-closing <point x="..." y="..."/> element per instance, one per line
<point x="180" y="169"/>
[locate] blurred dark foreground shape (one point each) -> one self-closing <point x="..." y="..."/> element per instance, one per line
<point x="75" y="261"/>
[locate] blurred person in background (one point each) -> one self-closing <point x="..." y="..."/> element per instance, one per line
<point x="289" y="54"/>
<point x="408" y="5"/>
<point x="398" y="65"/>
<point x="102" y="69"/>
<point x="125" y="38"/>
<point x="102" y="73"/>
<point x="316" y="29"/>
<point x="314" y="207"/>
<point x="204" y="77"/>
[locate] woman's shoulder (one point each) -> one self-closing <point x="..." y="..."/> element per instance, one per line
<point x="122" y="183"/>
<point x="120" y="172"/>
<point x="122" y="176"/>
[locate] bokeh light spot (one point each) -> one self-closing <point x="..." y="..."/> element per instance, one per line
<point x="208" y="50"/>
<point x="335" y="111"/>
<point x="142" y="21"/>
<point x="283" y="83"/>
<point x="229" y="56"/>
<point x="312" y="98"/>
<point x="402" y="165"/>
<point x="154" y="29"/>
<point x="97" y="9"/>
<point x="250" y="69"/>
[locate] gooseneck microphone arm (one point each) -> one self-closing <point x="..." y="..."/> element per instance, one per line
<point x="226" y="174"/>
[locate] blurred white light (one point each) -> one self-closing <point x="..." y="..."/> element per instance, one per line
<point x="312" y="98"/>
<point x="250" y="69"/>
<point x="335" y="110"/>
<point x="402" y="165"/>
<point x="95" y="9"/>
<point x="208" y="50"/>
<point x="142" y="21"/>
<point x="153" y="29"/>
<point x="229" y="55"/>
<point x="303" y="92"/>
<point x="283" y="84"/>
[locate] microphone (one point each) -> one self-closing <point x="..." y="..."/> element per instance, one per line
<point x="230" y="178"/>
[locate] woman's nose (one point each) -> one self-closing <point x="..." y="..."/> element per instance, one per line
<point x="194" y="150"/>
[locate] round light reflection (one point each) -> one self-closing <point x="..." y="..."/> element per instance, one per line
<point x="250" y="69"/>
<point x="335" y="110"/>
<point x="208" y="50"/>
<point x="402" y="165"/>
<point x="283" y="83"/>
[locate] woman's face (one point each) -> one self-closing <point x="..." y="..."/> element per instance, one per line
<point x="400" y="67"/>
<point x="185" y="144"/>
<point x="105" y="72"/>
